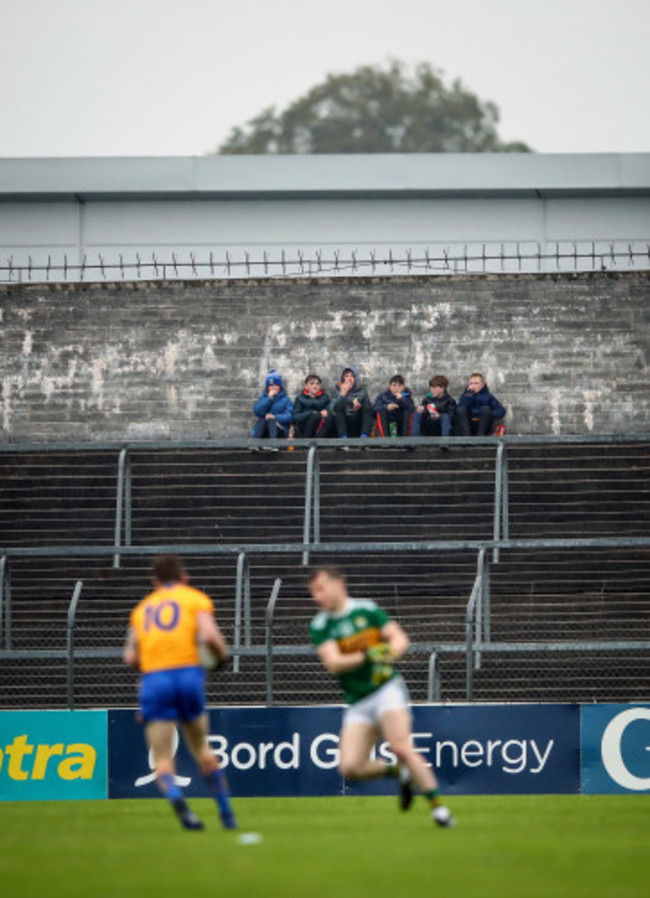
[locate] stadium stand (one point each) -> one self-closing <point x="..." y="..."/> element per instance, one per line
<point x="63" y="501"/>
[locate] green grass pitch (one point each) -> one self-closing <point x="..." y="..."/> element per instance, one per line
<point x="510" y="847"/>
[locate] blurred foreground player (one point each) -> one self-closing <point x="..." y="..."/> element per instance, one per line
<point x="165" y="632"/>
<point x="358" y="643"/>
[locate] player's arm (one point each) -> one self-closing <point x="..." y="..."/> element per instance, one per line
<point x="336" y="661"/>
<point x="397" y="640"/>
<point x="130" y="654"/>
<point x="212" y="636"/>
<point x="394" y="644"/>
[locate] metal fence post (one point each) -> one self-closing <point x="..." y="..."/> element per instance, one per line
<point x="316" y="497"/>
<point x="248" y="640"/>
<point x="479" y="610"/>
<point x="119" y="505"/>
<point x="505" y="495"/>
<point x="3" y="566"/>
<point x="270" y="612"/>
<point x="72" y="614"/>
<point x="498" y="489"/>
<point x="239" y="595"/>
<point x="433" y="685"/>
<point x="5" y="601"/>
<point x="128" y="514"/>
<point x="309" y="493"/>
<point x="487" y="602"/>
<point x="469" y="645"/>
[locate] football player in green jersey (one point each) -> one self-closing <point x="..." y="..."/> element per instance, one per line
<point x="359" y="643"/>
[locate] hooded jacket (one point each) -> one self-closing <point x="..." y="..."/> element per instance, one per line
<point x="476" y="402"/>
<point x="445" y="405"/>
<point x="280" y="406"/>
<point x="305" y="404"/>
<point x="386" y="398"/>
<point x="357" y="392"/>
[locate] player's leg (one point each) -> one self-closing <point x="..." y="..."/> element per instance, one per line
<point x="160" y="739"/>
<point x="190" y="700"/>
<point x="357" y="741"/>
<point x="396" y="729"/>
<point x="196" y="737"/>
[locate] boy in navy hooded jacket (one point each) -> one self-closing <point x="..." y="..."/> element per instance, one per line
<point x="395" y="408"/>
<point x="273" y="409"/>
<point x="479" y="411"/>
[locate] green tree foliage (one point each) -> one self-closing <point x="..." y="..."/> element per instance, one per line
<point x="376" y="109"/>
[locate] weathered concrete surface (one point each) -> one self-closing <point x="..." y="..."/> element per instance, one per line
<point x="567" y="354"/>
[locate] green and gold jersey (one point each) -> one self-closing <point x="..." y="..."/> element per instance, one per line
<point x="357" y="628"/>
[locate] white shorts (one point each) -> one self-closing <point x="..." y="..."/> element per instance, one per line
<point x="392" y="696"/>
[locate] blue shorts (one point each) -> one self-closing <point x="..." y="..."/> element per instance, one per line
<point x="177" y="694"/>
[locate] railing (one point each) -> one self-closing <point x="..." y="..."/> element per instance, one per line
<point x="478" y="637"/>
<point x="123" y="535"/>
<point x="477" y="614"/>
<point x="293" y="262"/>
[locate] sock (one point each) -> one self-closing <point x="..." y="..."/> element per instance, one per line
<point x="433" y="797"/>
<point x="399" y="771"/>
<point x="216" y="780"/>
<point x="169" y="787"/>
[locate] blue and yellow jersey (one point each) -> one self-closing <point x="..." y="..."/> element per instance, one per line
<point x="165" y="627"/>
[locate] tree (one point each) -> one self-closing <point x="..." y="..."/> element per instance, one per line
<point x="377" y="110"/>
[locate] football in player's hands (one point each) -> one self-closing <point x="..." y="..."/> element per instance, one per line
<point x="380" y="653"/>
<point x="209" y="659"/>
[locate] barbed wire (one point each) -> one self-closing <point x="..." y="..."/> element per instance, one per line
<point x="573" y="256"/>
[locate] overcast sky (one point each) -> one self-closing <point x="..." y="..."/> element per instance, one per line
<point x="171" y="77"/>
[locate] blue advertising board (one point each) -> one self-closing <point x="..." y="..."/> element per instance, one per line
<point x="265" y="751"/>
<point x="615" y="748"/>
<point x="475" y="749"/>
<point x="52" y="755"/>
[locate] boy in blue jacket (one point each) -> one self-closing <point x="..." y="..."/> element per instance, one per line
<point x="274" y="409"/>
<point x="479" y="411"/>
<point x="395" y="408"/>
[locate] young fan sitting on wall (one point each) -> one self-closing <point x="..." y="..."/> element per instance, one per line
<point x="437" y="411"/>
<point x="351" y="408"/>
<point x="479" y="412"/>
<point x="395" y="408"/>
<point x="311" y="414"/>
<point x="273" y="409"/>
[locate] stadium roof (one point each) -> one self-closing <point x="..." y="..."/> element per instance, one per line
<point x="318" y="176"/>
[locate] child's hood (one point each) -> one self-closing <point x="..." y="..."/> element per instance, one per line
<point x="357" y="380"/>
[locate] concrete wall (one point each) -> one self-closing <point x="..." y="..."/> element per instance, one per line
<point x="129" y="361"/>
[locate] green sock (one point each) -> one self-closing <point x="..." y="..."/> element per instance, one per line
<point x="392" y="769"/>
<point x="433" y="797"/>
